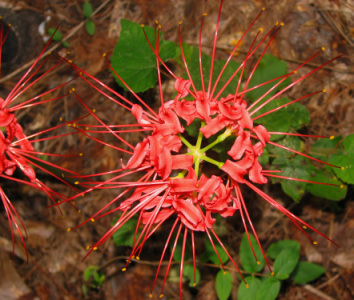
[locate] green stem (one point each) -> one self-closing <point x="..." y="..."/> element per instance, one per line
<point x="218" y="140"/>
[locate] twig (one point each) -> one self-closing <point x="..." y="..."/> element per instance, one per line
<point x="325" y="15"/>
<point x="67" y="37"/>
<point x="317" y="292"/>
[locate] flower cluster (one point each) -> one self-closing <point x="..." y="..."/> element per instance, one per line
<point x="171" y="162"/>
<point x="16" y="148"/>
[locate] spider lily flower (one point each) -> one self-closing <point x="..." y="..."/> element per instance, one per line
<point x="17" y="149"/>
<point x="173" y="184"/>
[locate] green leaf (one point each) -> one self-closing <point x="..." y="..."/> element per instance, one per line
<point x="223" y="285"/>
<point x="250" y="292"/>
<point x="248" y="260"/>
<point x="278" y="121"/>
<point x="269" y="67"/>
<point x="87" y="9"/>
<point x="264" y="158"/>
<point x="89" y="272"/>
<point x="292" y="142"/>
<point x="84" y="289"/>
<point x="346" y="164"/>
<point x="306" y="272"/>
<point x="348" y="143"/>
<point x="134" y="61"/>
<point x="322" y="148"/>
<point x="329" y="192"/>
<point x="98" y="278"/>
<point x="275" y="248"/>
<point x="211" y="254"/>
<point x="292" y="116"/>
<point x="188" y="271"/>
<point x="90" y="27"/>
<point x="57" y="35"/>
<point x="124" y="236"/>
<point x="268" y="289"/>
<point x="194" y="69"/>
<point x="286" y="262"/>
<point x="297" y="167"/>
<point x="345" y="161"/>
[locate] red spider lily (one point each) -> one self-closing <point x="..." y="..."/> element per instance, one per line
<point x="173" y="183"/>
<point x="16" y="148"/>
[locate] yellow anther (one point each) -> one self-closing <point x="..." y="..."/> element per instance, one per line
<point x="60" y="119"/>
<point x="87" y="247"/>
<point x="87" y="128"/>
<point x="295" y="72"/>
<point x="92" y="220"/>
<point x="159" y="27"/>
<point x="80" y="73"/>
<point x="205" y="14"/>
<point x="272" y="273"/>
<point x="68" y="52"/>
<point x="263" y="8"/>
<point x="81" y="154"/>
<point x="161" y="296"/>
<point x="73" y="89"/>
<point x="77" y="182"/>
<point x="258" y="262"/>
<point x="69" y="124"/>
<point x="260" y="29"/>
<point x="247" y="285"/>
<point x="62" y="175"/>
<point x="342" y="186"/>
<point x="79" y="211"/>
<point x="9" y="25"/>
<point x="225" y="272"/>
<point x="194" y="284"/>
<point x="94" y="110"/>
<point x="133" y="256"/>
<point x="315" y="243"/>
<point x="305" y="227"/>
<point x="104" y="54"/>
<point x="342" y="168"/>
<point x="137" y="258"/>
<point x="276" y="23"/>
<point x="69" y="229"/>
<point x="332" y="137"/>
<point x="83" y="195"/>
<point x="180" y="22"/>
<point x="324" y="91"/>
<point x="323" y="48"/>
<point x="282" y="24"/>
<point x="150" y="296"/>
<point x="142" y="25"/>
<point x="124" y="269"/>
<point x="157" y="21"/>
<point x="70" y="61"/>
<point x="94" y="248"/>
<point x="74" y="125"/>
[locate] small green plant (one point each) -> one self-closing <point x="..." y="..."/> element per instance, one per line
<point x="89" y="24"/>
<point x="287" y="265"/>
<point x="57" y="36"/>
<point x="259" y="283"/>
<point x="93" y="277"/>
